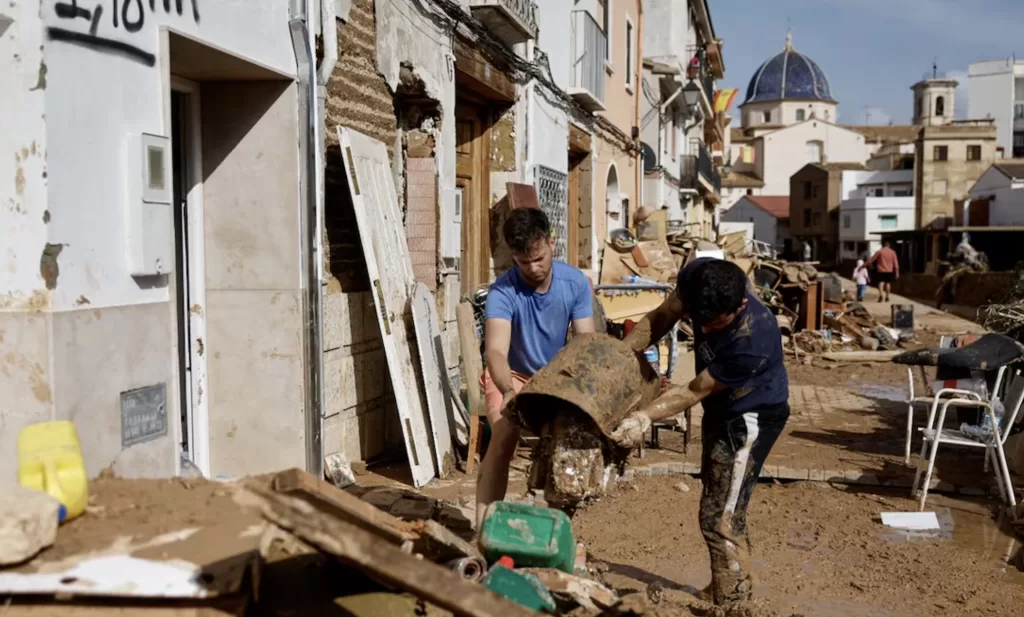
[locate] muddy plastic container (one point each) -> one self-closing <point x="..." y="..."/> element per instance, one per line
<point x="596" y="374"/>
<point x="530" y="535"/>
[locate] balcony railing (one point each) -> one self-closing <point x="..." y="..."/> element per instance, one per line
<point x="589" y="46"/>
<point x="1018" y="111"/>
<point x="688" y="171"/>
<point x="512" y="21"/>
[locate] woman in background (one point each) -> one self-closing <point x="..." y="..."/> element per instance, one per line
<point x="862" y="278"/>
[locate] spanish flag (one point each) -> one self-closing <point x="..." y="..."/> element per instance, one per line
<point x="724" y="98"/>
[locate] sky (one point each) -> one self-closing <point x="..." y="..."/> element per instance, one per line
<point x="872" y="51"/>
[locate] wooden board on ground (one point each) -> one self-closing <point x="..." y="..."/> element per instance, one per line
<point x="522" y="195"/>
<point x="861" y="356"/>
<point x="336" y="502"/>
<point x="659" y="256"/>
<point x="612" y="268"/>
<point x="382" y="234"/>
<point x="433" y="371"/>
<point x="380" y="559"/>
<point x="472" y="371"/>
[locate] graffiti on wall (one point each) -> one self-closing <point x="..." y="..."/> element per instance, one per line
<point x="129" y="15"/>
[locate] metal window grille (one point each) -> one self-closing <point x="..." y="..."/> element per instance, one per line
<point x="552" y="192"/>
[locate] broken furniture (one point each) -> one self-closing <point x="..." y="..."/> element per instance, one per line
<point x="912" y="399"/>
<point x="935" y="434"/>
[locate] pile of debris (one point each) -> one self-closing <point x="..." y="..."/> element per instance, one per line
<point x="1007" y="316"/>
<point x="296" y="544"/>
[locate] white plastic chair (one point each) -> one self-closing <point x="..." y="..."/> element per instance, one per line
<point x="935" y="434"/>
<point x="912" y="399"/>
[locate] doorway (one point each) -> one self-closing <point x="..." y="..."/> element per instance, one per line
<point x="616" y="211"/>
<point x="189" y="273"/>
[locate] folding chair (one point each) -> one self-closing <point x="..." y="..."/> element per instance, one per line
<point x="934" y="434"/>
<point x="944" y="343"/>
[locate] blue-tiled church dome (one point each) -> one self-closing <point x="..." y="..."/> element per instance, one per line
<point x="789" y="75"/>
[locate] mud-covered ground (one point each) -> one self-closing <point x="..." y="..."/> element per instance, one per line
<point x="818" y="550"/>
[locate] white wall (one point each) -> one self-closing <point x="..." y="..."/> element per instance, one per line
<point x="554" y="39"/>
<point x="548" y="136"/>
<point x="785" y="151"/>
<point x="990" y="94"/>
<point x="864" y="213"/>
<point x="667" y="30"/>
<point x="765" y="225"/>
<point x="1007" y="205"/>
<point x="23" y="138"/>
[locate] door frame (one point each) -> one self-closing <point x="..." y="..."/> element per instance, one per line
<point x="476" y="204"/>
<point x="197" y="407"/>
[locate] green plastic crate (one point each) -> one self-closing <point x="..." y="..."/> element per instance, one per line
<point x="531" y="536"/>
<point x="522" y="588"/>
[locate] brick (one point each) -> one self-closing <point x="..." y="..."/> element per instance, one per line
<point x="337" y="321"/>
<point x="423" y="258"/>
<point x="420" y="164"/>
<point x="422" y="231"/>
<point x="419" y="244"/>
<point x="421" y="204"/>
<point x="676" y="468"/>
<point x="421" y="190"/>
<point x="659" y="469"/>
<point x="642" y="472"/>
<point x="790" y="473"/>
<point x="422" y="178"/>
<point x="627" y="476"/>
<point x="421" y="217"/>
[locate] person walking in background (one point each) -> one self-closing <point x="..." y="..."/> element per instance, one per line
<point x="887" y="269"/>
<point x="862" y="278"/>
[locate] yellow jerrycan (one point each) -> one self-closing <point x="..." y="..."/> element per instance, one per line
<point x="50" y="460"/>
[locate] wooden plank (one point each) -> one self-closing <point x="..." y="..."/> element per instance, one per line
<point x="579" y="140"/>
<point x="382" y="560"/>
<point x="433" y="372"/>
<point x="438" y="544"/>
<point x="336" y="502"/>
<point x="861" y="356"/>
<point x="474" y="71"/>
<point x="472" y="369"/>
<point x="620" y="307"/>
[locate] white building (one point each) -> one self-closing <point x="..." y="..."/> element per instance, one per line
<point x="788" y="120"/>
<point x="873" y="202"/>
<point x="769" y="216"/>
<point x="1000" y="193"/>
<point x="995" y="89"/>
<point x="684" y="140"/>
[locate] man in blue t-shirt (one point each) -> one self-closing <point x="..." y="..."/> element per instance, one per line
<point x="529" y="310"/>
<point x="742" y="384"/>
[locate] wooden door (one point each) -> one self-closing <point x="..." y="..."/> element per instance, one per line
<point x="472" y="173"/>
<point x="575" y="193"/>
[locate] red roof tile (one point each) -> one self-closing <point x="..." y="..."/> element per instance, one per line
<point x="775" y="205"/>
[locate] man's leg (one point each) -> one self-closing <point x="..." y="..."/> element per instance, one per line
<point x="734" y="453"/>
<point x="492" y="481"/>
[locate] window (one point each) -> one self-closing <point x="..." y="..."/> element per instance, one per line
<point x="814" y="192"/>
<point x="813" y="149"/>
<point x="940" y="153"/>
<point x="766" y="117"/>
<point x="629" y="55"/>
<point x="850" y="247"/>
<point x="846" y="221"/>
<point x="880" y="192"/>
<point x="807" y="190"/>
<point x="902" y="192"/>
<point x="807" y="218"/>
<point x="938" y="187"/>
<point x="817" y="219"/>
<point x="917" y="107"/>
<point x="801" y="115"/>
<point x="750" y="191"/>
<point x="887" y="221"/>
<point x="1018" y="145"/>
<point x="675" y="135"/>
<point x="973" y="153"/>
<point x="940" y="106"/>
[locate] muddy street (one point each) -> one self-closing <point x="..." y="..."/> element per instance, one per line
<point x="819" y="549"/>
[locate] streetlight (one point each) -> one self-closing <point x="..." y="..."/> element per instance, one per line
<point x="691" y="95"/>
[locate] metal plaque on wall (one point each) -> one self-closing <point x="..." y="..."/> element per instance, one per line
<point x="143" y="414"/>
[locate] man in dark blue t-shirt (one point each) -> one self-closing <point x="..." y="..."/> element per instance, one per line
<point x="742" y="384"/>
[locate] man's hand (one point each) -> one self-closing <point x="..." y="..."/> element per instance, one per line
<point x="630" y="432"/>
<point x="506" y="397"/>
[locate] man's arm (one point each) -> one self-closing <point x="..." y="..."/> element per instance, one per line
<point x="583" y="326"/>
<point x="678" y="399"/>
<point x="656" y="324"/>
<point x="497" y="337"/>
<point x="630" y="432"/>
